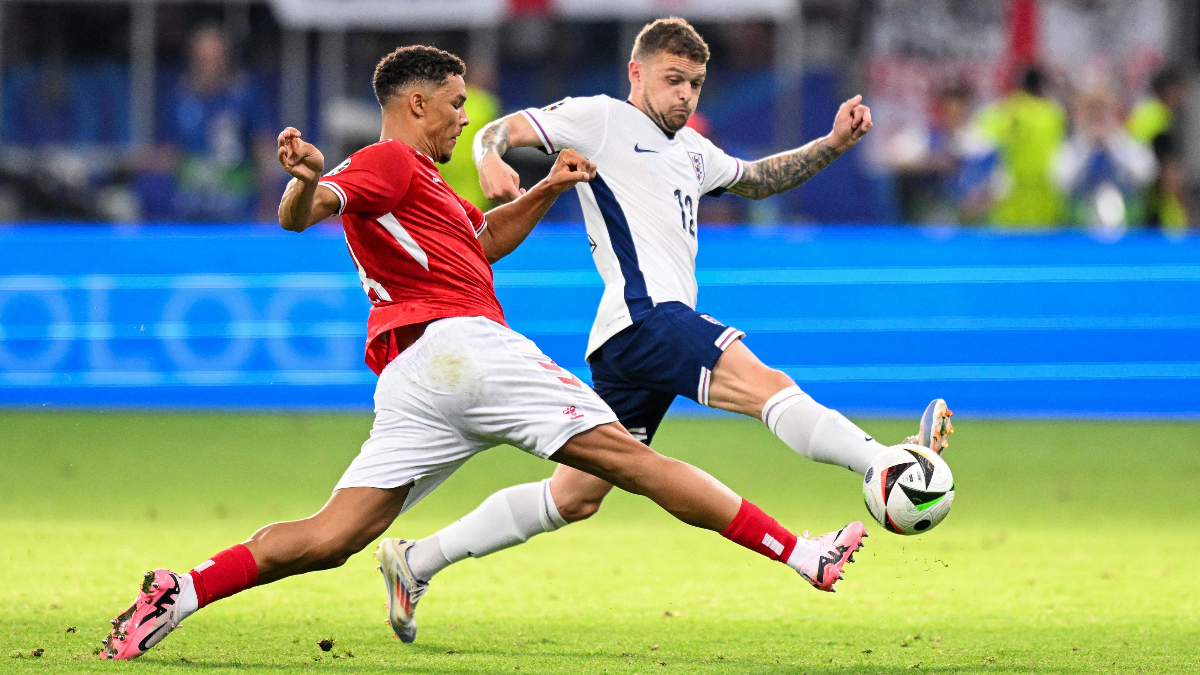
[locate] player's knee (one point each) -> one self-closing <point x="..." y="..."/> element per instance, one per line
<point x="766" y="385"/>
<point x="777" y="380"/>
<point x="580" y="508"/>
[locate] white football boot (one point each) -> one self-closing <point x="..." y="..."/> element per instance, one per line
<point x="403" y="589"/>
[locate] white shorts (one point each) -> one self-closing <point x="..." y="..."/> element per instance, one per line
<point x="466" y="385"/>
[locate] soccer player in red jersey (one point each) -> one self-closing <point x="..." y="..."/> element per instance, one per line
<point x="454" y="380"/>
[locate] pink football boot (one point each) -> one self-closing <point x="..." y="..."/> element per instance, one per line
<point x="823" y="567"/>
<point x="153" y="615"/>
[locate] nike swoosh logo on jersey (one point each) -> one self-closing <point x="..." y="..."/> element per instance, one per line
<point x="637" y="149"/>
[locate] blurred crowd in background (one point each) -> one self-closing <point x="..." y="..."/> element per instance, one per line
<point x="1024" y="113"/>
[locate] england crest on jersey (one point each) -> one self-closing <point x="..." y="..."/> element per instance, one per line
<point x="697" y="164"/>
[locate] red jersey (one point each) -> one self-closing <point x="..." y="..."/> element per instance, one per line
<point x="414" y="241"/>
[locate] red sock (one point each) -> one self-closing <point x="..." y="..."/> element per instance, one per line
<point x="230" y="571"/>
<point x="760" y="533"/>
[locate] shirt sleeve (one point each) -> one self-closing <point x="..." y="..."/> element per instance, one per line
<point x="474" y="214"/>
<point x="580" y="124"/>
<point x="721" y="171"/>
<point x="372" y="180"/>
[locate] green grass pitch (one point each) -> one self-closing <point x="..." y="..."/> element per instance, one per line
<point x="1073" y="547"/>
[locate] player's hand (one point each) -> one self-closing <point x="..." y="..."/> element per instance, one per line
<point x="853" y="121"/>
<point x="499" y="182"/>
<point x="569" y="169"/>
<point x="300" y="159"/>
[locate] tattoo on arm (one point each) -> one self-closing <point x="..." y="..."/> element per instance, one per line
<point x="782" y="172"/>
<point x="494" y="137"/>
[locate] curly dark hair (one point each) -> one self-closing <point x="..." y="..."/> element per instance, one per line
<point x="672" y="35"/>
<point x="415" y="63"/>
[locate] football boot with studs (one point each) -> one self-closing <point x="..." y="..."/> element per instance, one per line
<point x="403" y="589"/>
<point x="151" y="617"/>
<point x="935" y="427"/>
<point x="832" y="551"/>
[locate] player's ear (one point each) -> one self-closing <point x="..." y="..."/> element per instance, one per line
<point x="635" y="72"/>
<point x="417" y="102"/>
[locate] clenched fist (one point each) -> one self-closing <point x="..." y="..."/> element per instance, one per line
<point x="499" y="181"/>
<point x="569" y="169"/>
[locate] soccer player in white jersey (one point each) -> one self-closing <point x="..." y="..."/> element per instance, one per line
<point x="648" y="343"/>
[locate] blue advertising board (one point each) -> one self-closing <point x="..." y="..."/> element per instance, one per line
<point x="867" y="319"/>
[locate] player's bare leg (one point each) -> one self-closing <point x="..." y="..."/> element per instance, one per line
<point x="696" y="498"/>
<point x="689" y="494"/>
<point x="351" y="520"/>
<point x="513" y="515"/>
<point x="591" y="464"/>
<point x="578" y="494"/>
<point x="741" y="383"/>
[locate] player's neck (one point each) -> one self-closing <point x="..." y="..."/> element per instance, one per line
<point x="407" y="133"/>
<point x="638" y="104"/>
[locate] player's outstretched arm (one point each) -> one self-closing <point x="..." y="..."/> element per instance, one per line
<point x="508" y="225"/>
<point x="304" y="203"/>
<point x="780" y="173"/>
<point x="498" y="180"/>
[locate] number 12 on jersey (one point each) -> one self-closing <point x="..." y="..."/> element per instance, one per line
<point x="686" y="212"/>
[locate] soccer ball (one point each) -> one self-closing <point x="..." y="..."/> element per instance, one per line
<point x="908" y="489"/>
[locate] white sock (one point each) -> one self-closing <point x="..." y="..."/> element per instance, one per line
<point x="505" y="519"/>
<point x="800" y="553"/>
<point x="817" y="432"/>
<point x="187" y="601"/>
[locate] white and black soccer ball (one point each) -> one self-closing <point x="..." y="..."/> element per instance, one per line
<point x="908" y="489"/>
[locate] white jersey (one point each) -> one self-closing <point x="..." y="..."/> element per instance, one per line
<point x="640" y="210"/>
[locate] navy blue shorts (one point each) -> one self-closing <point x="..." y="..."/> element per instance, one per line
<point x="670" y="352"/>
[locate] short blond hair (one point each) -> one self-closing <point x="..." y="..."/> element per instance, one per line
<point x="671" y="35"/>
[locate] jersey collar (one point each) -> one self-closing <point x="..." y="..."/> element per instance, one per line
<point x="670" y="136"/>
<point x="417" y="152"/>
